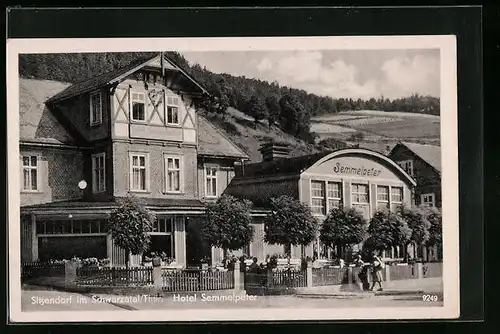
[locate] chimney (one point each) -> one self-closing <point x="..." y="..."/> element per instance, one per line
<point x="272" y="151"/>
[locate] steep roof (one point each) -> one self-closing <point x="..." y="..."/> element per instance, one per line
<point x="38" y="124"/>
<point x="36" y="121"/>
<point x="212" y="142"/>
<point x="115" y="75"/>
<point x="293" y="165"/>
<point x="429" y="153"/>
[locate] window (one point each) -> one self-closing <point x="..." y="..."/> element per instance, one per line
<point x="162" y="239"/>
<point x="359" y="193"/>
<point x="55" y="227"/>
<point x="427" y="199"/>
<point x="396" y="197"/>
<point x="98" y="173"/>
<point x="173" y="110"/>
<point x="139" y="173"/>
<point x="30" y="173"/>
<point x="407" y="166"/>
<point x="95" y="108"/>
<point x="173" y="173"/>
<point x="318" y="197"/>
<point x="138" y="107"/>
<point x="382" y="197"/>
<point x="211" y="181"/>
<point x="334" y="195"/>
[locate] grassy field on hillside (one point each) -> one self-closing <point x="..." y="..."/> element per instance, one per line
<point x="243" y="131"/>
<point x="379" y="125"/>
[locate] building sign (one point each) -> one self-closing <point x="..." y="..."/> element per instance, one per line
<point x="353" y="170"/>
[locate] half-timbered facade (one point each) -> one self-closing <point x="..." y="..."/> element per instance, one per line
<point x="133" y="131"/>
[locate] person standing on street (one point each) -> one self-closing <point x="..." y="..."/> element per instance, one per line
<point x="377" y="266"/>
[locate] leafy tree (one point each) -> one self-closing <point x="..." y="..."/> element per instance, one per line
<point x="256" y="109"/>
<point x="227" y="223"/>
<point x="387" y="229"/>
<point x="273" y="107"/>
<point x="295" y="120"/>
<point x="343" y="227"/>
<point x="289" y="222"/>
<point x="417" y="221"/>
<point x="436" y="229"/>
<point x="130" y="224"/>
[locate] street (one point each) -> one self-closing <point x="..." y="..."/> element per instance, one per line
<point x="41" y="299"/>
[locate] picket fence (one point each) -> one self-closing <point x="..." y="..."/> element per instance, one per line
<point x="104" y="276"/>
<point x="33" y="270"/>
<point x="198" y="280"/>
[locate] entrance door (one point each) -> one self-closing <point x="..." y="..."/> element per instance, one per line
<point x="196" y="249"/>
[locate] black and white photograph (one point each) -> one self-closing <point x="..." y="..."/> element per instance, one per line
<point x="221" y="179"/>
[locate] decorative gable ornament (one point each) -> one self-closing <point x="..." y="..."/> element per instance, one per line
<point x="156" y="96"/>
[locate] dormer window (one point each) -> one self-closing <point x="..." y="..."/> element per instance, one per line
<point x="173" y="110"/>
<point x="95" y="108"/>
<point x="138" y="107"/>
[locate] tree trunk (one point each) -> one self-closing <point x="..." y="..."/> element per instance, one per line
<point x="127" y="265"/>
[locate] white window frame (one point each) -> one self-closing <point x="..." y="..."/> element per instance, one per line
<point x="394" y="202"/>
<point x="323" y="198"/>
<point x="170" y="103"/>
<point x="407" y="166"/>
<point x="145" y="167"/>
<point x="98" y="118"/>
<point x="96" y="186"/>
<point x="386" y="203"/>
<point x="101" y="228"/>
<point x="328" y="198"/>
<point x="358" y="193"/>
<point x="132" y="101"/>
<point x="166" y="173"/>
<point x="432" y="195"/>
<point x="211" y="177"/>
<point x="30" y="170"/>
<point x="167" y="220"/>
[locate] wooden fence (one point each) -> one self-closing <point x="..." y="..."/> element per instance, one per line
<point x="94" y="276"/>
<point x="288" y="278"/>
<point x="199" y="280"/>
<point x="329" y="276"/>
<point x="41" y="269"/>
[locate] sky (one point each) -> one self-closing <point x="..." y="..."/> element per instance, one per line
<point x="336" y="73"/>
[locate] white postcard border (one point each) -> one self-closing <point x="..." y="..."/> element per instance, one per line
<point x="449" y="156"/>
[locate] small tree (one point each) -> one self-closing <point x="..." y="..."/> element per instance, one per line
<point x="343" y="227"/>
<point x="387" y="229"/>
<point x="274" y="109"/>
<point x="436" y="229"/>
<point x="227" y="223"/>
<point x="129" y="225"/>
<point x="289" y="222"/>
<point x="256" y="109"/>
<point x="417" y="221"/>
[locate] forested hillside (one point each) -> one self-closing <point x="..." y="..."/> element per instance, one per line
<point x="289" y="108"/>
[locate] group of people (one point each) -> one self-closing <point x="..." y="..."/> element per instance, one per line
<point x="376" y="265"/>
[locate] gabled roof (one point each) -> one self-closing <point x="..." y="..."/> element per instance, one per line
<point x="285" y="166"/>
<point x="431" y="154"/>
<point x="39" y="125"/>
<point x="212" y="142"/>
<point x="297" y="165"/>
<point x="117" y="75"/>
<point x="36" y="121"/>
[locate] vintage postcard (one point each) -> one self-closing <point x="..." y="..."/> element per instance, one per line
<point x="222" y="179"/>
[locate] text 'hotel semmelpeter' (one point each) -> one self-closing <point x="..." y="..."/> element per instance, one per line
<point x="136" y="131"/>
